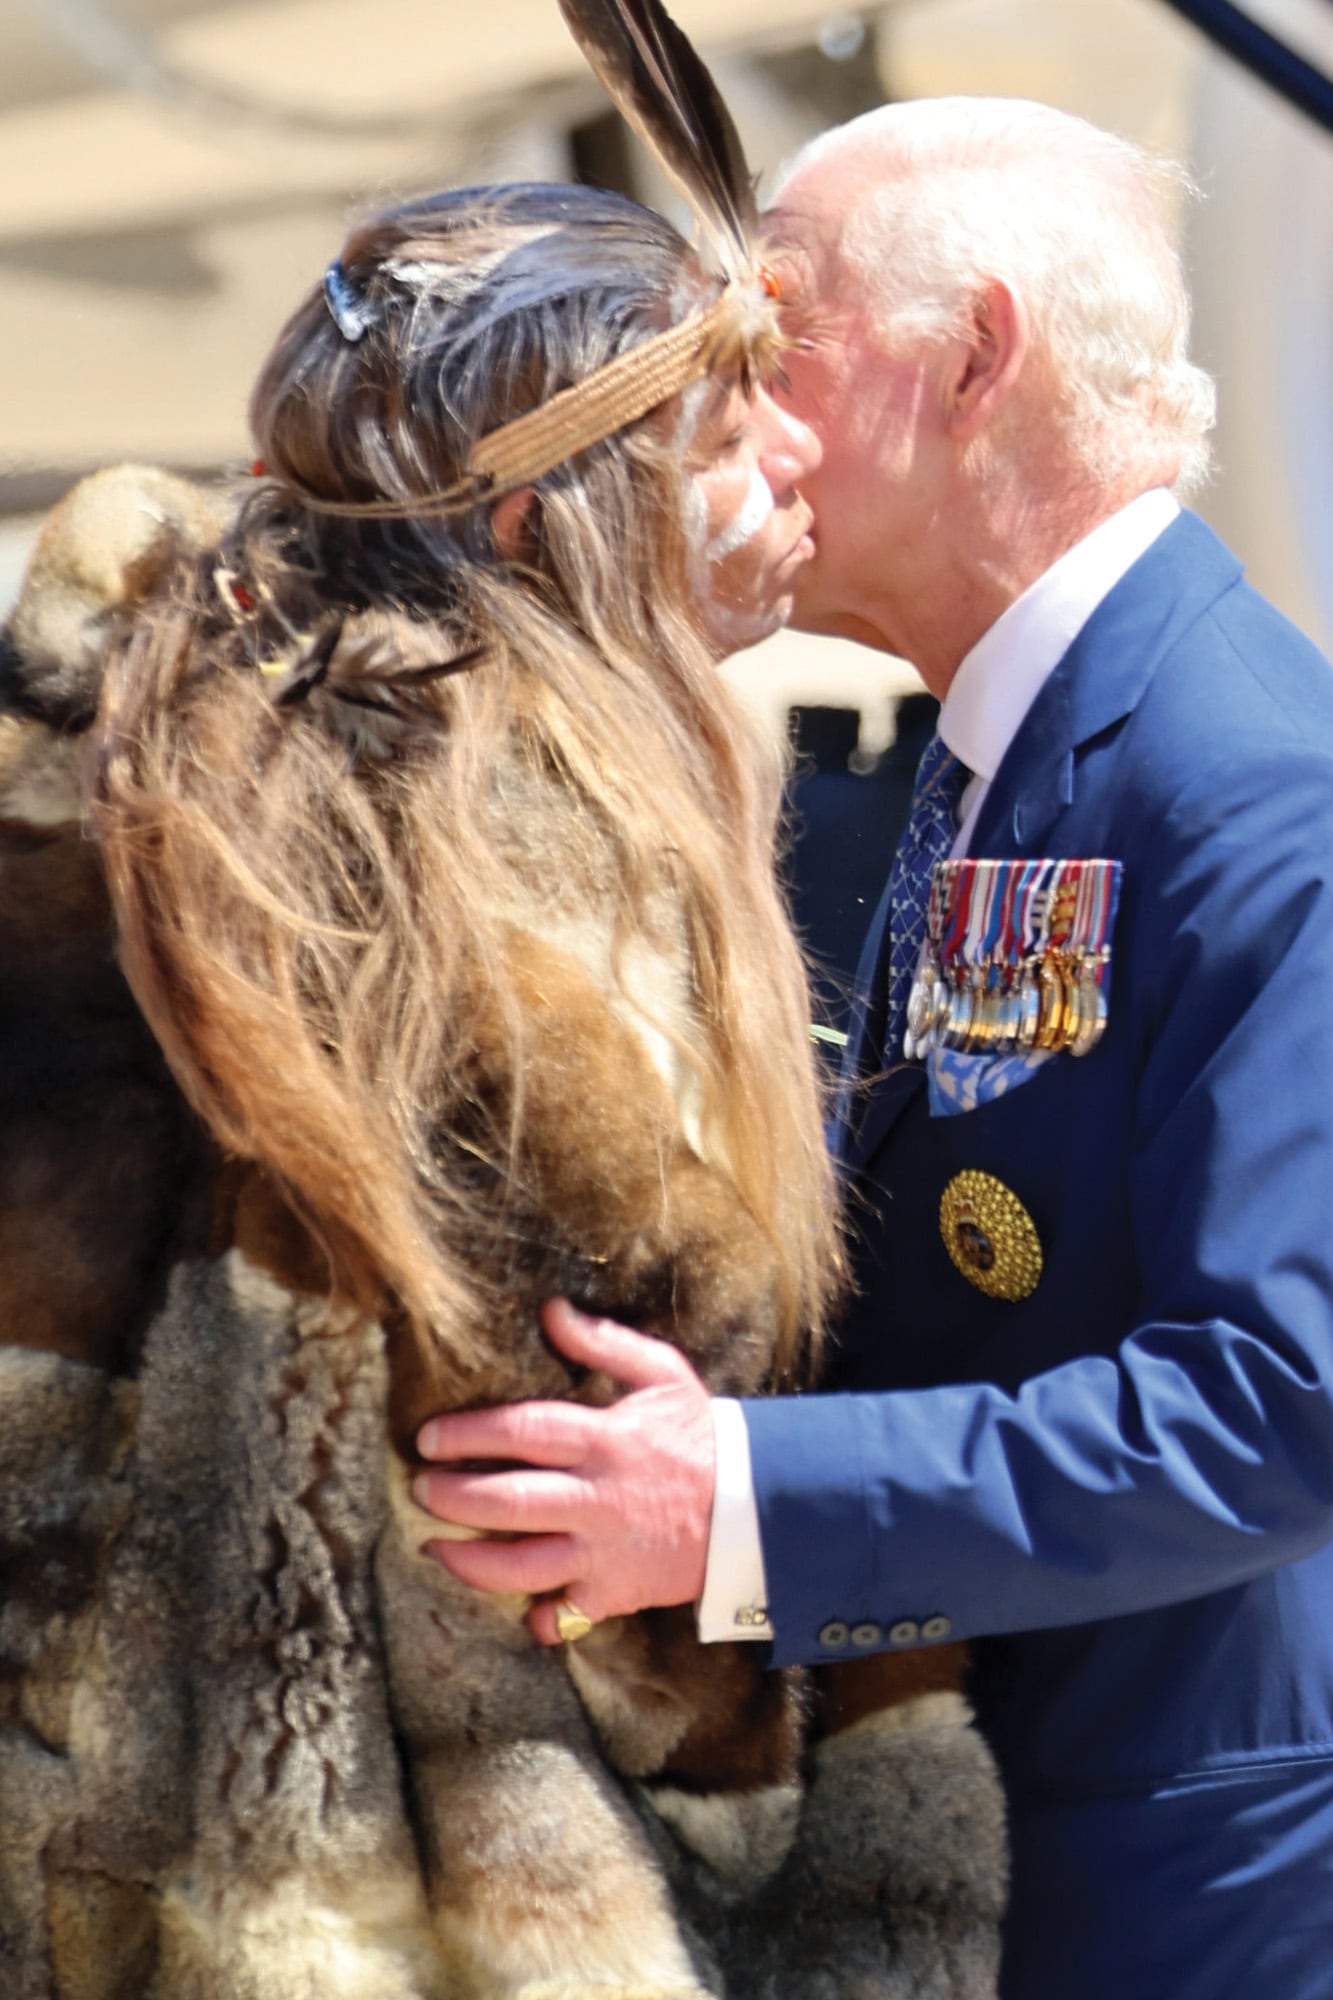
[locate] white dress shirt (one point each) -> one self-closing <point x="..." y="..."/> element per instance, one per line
<point x="993" y="689"/>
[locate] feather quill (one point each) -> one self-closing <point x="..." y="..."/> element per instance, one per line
<point x="663" y="90"/>
<point x="368" y="678"/>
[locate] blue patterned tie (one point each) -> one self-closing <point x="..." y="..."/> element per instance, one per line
<point x="928" y="837"/>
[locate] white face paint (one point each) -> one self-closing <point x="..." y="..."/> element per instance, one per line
<point x="746" y="525"/>
<point x="749" y="520"/>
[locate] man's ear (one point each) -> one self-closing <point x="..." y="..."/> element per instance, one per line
<point x="985" y="360"/>
<point x="510" y="522"/>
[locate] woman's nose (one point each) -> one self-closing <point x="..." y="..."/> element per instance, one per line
<point x="789" y="449"/>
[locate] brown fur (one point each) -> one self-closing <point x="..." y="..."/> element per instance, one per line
<point x="83" y="1254"/>
<point x="252" y="1745"/>
<point x="99" y="554"/>
<point x="846" y="1691"/>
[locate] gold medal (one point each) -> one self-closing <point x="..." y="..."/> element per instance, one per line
<point x="1092" y="1010"/>
<point x="1069" y="1025"/>
<point x="990" y="1236"/>
<point x="1051" y="988"/>
<point x="993" y="1016"/>
<point x="1029" y="1009"/>
<point x="1010" y="1016"/>
<point x="1018" y="957"/>
<point x="958" y="1022"/>
<point x="983" y="1015"/>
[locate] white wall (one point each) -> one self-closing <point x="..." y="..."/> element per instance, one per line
<point x="16" y="537"/>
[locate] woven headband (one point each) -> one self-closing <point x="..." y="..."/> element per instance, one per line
<point x="618" y="393"/>
<point x="654" y="76"/>
<point x="740" y="321"/>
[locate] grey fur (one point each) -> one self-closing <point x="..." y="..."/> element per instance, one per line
<point x="200" y="1747"/>
<point x="226" y="1725"/>
<point x="101" y="553"/>
<point x="896" y="1883"/>
<point x="252" y="1745"/>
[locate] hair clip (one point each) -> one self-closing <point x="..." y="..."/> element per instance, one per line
<point x="352" y="315"/>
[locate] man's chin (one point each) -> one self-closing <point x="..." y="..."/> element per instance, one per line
<point x="816" y="618"/>
<point x="813" y="612"/>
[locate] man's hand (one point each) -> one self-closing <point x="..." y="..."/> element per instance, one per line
<point x="613" y="1505"/>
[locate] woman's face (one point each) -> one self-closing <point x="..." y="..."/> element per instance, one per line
<point x="750" y="528"/>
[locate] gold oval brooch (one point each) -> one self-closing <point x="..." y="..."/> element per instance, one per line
<point x="990" y="1235"/>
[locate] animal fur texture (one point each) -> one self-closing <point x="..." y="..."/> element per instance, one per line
<point x="252" y="1745"/>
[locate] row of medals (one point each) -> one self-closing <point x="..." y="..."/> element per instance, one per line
<point x="1052" y="1000"/>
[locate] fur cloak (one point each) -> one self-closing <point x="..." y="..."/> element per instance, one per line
<point x="252" y="1747"/>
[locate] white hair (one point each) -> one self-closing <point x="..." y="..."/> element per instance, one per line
<point x="945" y="194"/>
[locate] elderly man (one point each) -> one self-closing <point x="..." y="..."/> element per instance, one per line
<point x="1086" y="1418"/>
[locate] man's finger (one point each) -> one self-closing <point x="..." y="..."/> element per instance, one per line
<point x="634" y="1359"/>
<point x="550" y="1434"/>
<point x="514" y="1503"/>
<point x="542" y="1617"/>
<point x="541" y="1622"/>
<point x="530" y="1568"/>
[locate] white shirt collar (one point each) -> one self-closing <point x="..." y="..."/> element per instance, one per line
<point x="1000" y="678"/>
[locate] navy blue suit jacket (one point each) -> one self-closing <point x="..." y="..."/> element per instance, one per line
<point x="1121" y="1488"/>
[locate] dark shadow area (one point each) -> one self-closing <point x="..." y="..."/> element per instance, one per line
<point x="844" y="828"/>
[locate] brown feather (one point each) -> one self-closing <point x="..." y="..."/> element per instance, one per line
<point x="373" y="671"/>
<point x="663" y="90"/>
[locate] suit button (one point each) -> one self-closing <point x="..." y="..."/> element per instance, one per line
<point x="834" y="1635"/>
<point x="867" y="1635"/>
<point x="938" y="1627"/>
<point x="905" y="1633"/>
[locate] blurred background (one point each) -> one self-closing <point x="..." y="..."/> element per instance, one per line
<point x="174" y="173"/>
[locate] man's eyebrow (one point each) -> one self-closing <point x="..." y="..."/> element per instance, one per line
<point x="793" y="233"/>
<point x="783" y="220"/>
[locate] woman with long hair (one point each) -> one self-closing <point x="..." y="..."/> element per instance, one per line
<point x="396" y="743"/>
<point x="441" y="861"/>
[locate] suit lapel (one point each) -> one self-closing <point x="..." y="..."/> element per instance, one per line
<point x="863" y="1114"/>
<point x="867" y="991"/>
<point x="1101" y="679"/>
<point x="875" y="1116"/>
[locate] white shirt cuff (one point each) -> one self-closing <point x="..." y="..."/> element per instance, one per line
<point x="734" y="1604"/>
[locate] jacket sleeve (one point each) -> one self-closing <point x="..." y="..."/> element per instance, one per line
<point x="1200" y="1453"/>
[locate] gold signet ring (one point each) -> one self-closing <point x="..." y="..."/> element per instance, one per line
<point x="571" y="1623"/>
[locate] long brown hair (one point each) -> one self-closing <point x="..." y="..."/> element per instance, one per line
<point x="312" y="756"/>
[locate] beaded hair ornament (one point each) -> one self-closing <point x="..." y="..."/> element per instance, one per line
<point x="662" y="89"/>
